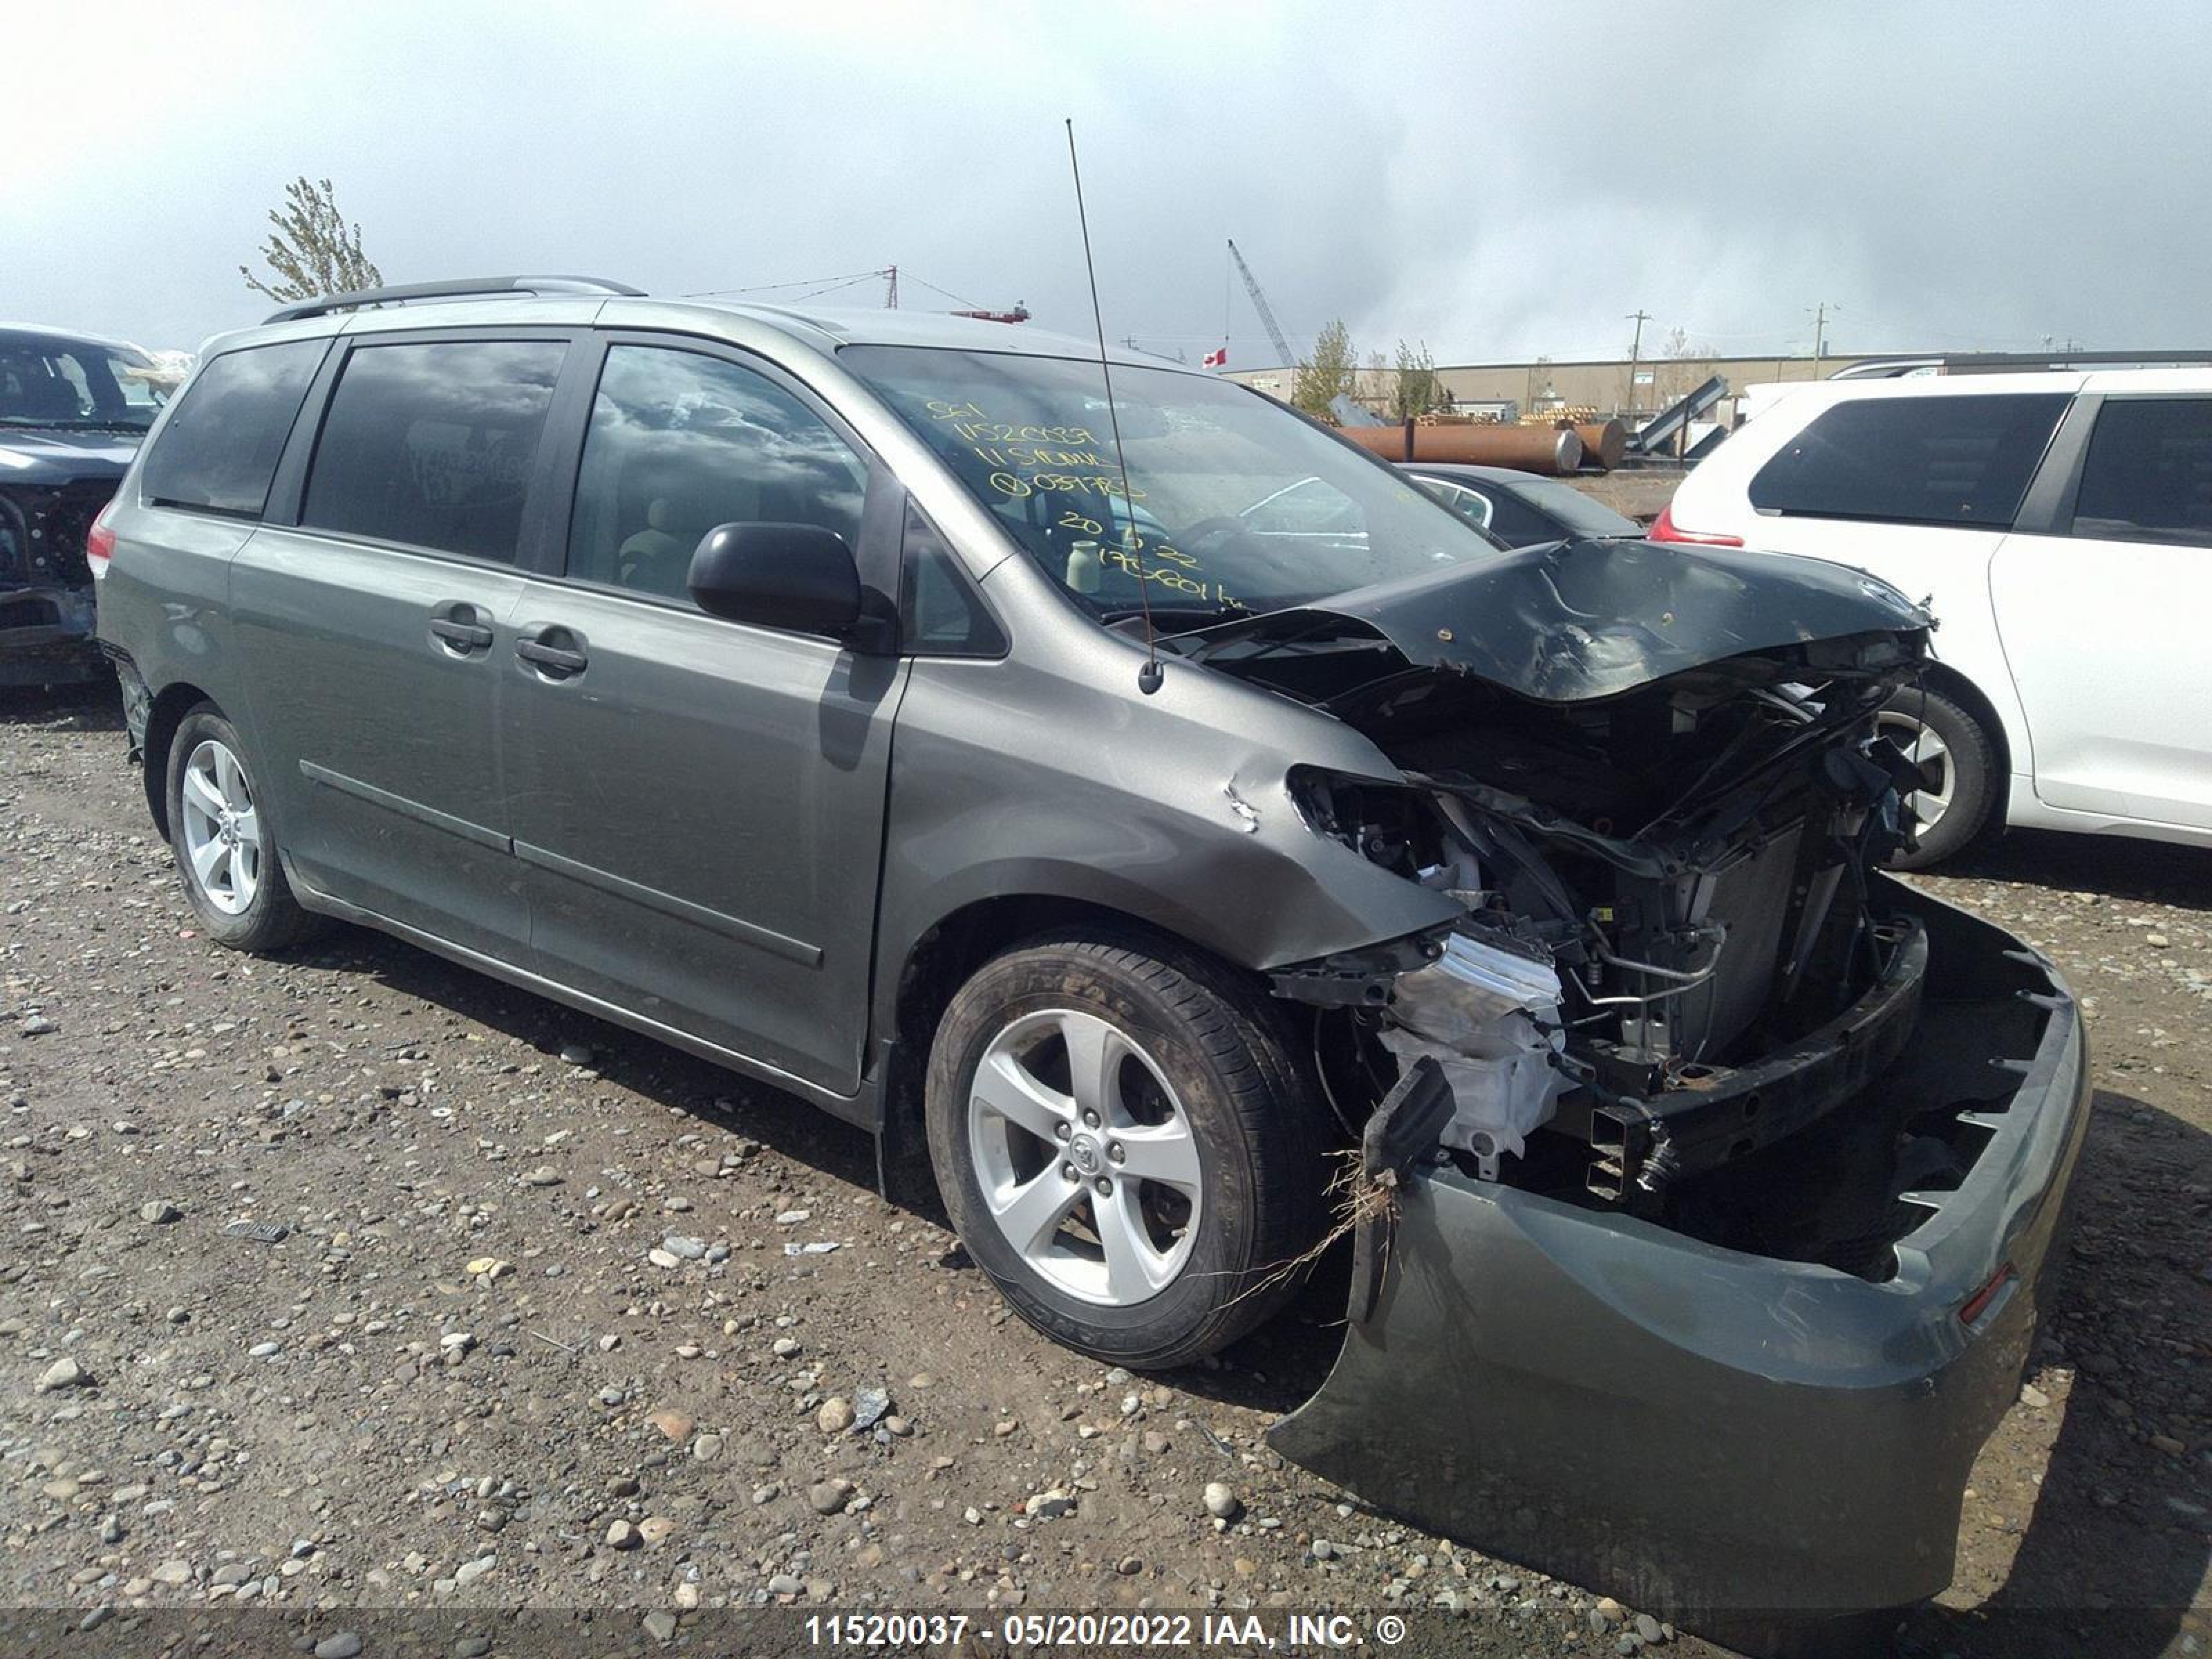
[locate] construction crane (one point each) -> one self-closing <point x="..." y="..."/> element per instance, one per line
<point x="1284" y="354"/>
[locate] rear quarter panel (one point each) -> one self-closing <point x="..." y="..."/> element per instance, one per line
<point x="165" y="598"/>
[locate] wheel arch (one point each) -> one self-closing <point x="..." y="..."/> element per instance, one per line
<point x="947" y="954"/>
<point x="163" y="716"/>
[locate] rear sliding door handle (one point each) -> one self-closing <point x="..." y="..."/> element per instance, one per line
<point x="462" y="628"/>
<point x="555" y="652"/>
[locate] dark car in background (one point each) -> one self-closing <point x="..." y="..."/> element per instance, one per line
<point x="1519" y="508"/>
<point x="72" y="411"/>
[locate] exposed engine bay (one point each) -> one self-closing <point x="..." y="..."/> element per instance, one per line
<point x="1688" y="1113"/>
<point x="1671" y="956"/>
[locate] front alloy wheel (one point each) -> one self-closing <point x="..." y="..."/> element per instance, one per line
<point x="1127" y="1144"/>
<point x="1088" y="1166"/>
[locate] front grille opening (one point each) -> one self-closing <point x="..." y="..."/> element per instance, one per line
<point x="66" y="523"/>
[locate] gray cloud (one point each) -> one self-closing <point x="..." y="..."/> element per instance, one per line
<point x="1497" y="183"/>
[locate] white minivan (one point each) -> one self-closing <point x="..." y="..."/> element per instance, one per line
<point x="2060" y="526"/>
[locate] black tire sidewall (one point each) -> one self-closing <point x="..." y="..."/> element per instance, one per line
<point x="273" y="918"/>
<point x="1198" y="1311"/>
<point x="1973" y="781"/>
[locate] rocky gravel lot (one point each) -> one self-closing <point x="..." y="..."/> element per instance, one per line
<point x="355" y="1281"/>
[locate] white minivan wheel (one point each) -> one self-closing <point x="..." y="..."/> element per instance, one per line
<point x="1961" y="764"/>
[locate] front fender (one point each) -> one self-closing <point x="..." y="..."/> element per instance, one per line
<point x="1007" y="781"/>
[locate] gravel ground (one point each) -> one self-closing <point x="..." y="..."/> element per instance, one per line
<point x="560" y="1318"/>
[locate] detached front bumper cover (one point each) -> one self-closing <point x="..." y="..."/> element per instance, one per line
<point x="1691" y="1428"/>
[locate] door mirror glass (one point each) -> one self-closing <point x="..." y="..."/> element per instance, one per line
<point x="797" y="577"/>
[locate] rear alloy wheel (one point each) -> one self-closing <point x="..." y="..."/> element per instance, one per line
<point x="1960" y="762"/>
<point x="222" y="829"/>
<point x="225" y="849"/>
<point x="1125" y="1145"/>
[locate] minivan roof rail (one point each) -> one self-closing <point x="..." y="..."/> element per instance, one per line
<point x="450" y="290"/>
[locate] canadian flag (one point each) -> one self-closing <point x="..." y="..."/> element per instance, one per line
<point x="1217" y="358"/>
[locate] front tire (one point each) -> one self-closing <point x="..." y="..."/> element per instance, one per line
<point x="225" y="846"/>
<point x="1126" y="1146"/>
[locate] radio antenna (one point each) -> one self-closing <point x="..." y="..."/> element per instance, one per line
<point x="1148" y="677"/>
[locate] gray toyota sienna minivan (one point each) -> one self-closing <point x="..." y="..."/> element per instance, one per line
<point x="1196" y="837"/>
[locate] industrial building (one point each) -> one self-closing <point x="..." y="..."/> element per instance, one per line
<point x="1608" y="385"/>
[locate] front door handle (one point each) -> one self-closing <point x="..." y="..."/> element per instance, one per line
<point x="463" y="627"/>
<point x="555" y="652"/>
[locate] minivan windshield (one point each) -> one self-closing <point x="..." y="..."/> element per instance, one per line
<point x="47" y="381"/>
<point x="1234" y="503"/>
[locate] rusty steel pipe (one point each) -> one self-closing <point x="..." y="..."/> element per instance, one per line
<point x="1523" y="448"/>
<point x="1604" y="442"/>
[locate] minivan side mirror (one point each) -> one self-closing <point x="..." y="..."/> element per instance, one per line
<point x="797" y="577"/>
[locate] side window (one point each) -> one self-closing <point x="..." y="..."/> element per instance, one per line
<point x="2147" y="476"/>
<point x="939" y="612"/>
<point x="679" y="443"/>
<point x="220" y="447"/>
<point x="432" y="444"/>
<point x="1473" y="507"/>
<point x="1518" y="522"/>
<point x="1944" y="460"/>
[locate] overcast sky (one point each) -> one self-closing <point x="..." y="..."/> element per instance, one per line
<point x="1497" y="180"/>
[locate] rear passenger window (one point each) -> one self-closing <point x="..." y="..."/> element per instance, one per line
<point x="680" y="443"/>
<point x="432" y="444"/>
<point x="220" y="449"/>
<point x="1962" y="460"/>
<point x="2148" y="475"/>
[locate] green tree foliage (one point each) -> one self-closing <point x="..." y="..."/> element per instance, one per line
<point x="1416" y="390"/>
<point x="1333" y="372"/>
<point x="311" y="251"/>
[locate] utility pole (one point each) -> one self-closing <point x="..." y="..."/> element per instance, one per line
<point x="890" y="293"/>
<point x="1819" y="334"/>
<point x="1639" y="317"/>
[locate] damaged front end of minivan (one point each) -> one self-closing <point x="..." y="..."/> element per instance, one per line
<point x="1709" y="1173"/>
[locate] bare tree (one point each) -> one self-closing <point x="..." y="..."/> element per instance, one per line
<point x="1332" y="372"/>
<point x="312" y="250"/>
<point x="1685" y="366"/>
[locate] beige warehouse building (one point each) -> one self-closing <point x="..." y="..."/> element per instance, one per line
<point x="1606" y="385"/>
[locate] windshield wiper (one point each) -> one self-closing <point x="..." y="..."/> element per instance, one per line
<point x="1179" y="619"/>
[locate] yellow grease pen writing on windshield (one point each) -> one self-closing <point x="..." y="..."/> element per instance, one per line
<point x="1030" y="460"/>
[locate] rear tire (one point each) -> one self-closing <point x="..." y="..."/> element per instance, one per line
<point x="225" y="846"/>
<point x="1188" y="1080"/>
<point x="1927" y="725"/>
